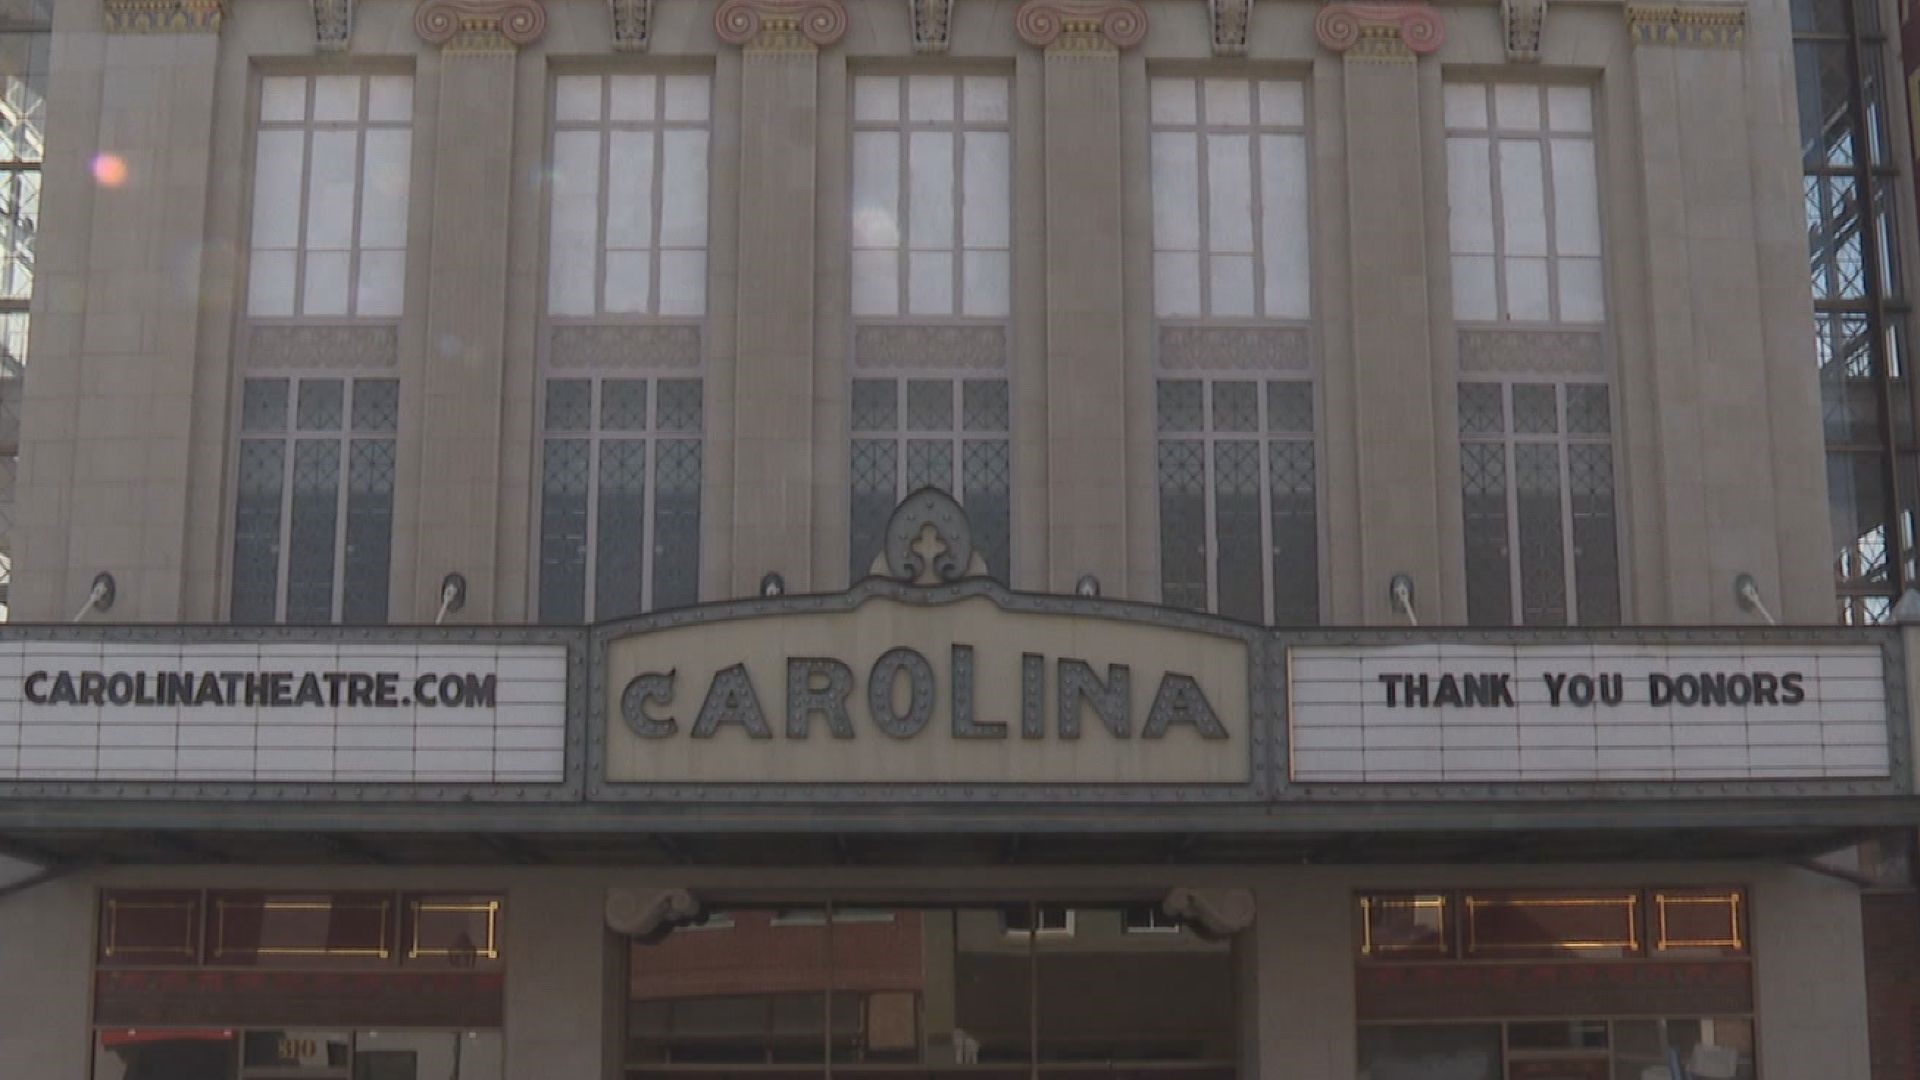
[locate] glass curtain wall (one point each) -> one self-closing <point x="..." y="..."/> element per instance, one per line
<point x="1860" y="299"/>
<point x="25" y="40"/>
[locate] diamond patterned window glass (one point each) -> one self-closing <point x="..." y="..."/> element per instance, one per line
<point x="620" y="497"/>
<point x="1537" y="502"/>
<point x="627" y="210"/>
<point x="376" y="405"/>
<point x="890" y="459"/>
<point x="332" y="159"/>
<point x="313" y="511"/>
<point x="1239" y="502"/>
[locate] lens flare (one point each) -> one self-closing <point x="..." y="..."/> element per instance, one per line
<point x="109" y="170"/>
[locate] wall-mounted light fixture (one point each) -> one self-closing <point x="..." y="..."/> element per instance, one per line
<point x="453" y="596"/>
<point x="100" y="597"/>
<point x="1746" y="591"/>
<point x="772" y="584"/>
<point x="1088" y="586"/>
<point x="1400" y="596"/>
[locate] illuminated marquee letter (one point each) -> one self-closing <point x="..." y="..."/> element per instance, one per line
<point x="818" y="686"/>
<point x="1180" y="701"/>
<point x="891" y="665"/>
<point x="1112" y="700"/>
<point x="652" y="686"/>
<point x="731" y="700"/>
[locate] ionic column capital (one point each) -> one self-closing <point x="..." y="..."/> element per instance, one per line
<point x="1081" y="26"/>
<point x="1381" y="31"/>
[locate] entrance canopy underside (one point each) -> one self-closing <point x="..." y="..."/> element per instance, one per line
<point x="56" y="835"/>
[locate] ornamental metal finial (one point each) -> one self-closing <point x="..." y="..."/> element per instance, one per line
<point x="929" y="541"/>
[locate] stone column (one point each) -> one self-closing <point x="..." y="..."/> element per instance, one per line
<point x="1730" y="504"/>
<point x="459" y="485"/>
<point x="1086" y="449"/>
<point x="1390" y="334"/>
<point x="108" y="408"/>
<point x="773" y="376"/>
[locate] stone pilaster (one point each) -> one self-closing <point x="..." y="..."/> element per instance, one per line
<point x="105" y="441"/>
<point x="467" y="299"/>
<point x="773" y="368"/>
<point x="1724" y="505"/>
<point x="1390" y="329"/>
<point x="1086" y="309"/>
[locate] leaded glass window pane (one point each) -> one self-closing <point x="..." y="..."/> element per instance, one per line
<point x="874" y="495"/>
<point x="563" y="530"/>
<point x="369" y="530"/>
<point x="256" y="533"/>
<point x="313" y="519"/>
<point x="1537" y="500"/>
<point x="1239" y="508"/>
<point x="315" y="510"/>
<point x="620" y="496"/>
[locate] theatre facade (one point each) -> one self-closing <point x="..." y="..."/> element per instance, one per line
<point x="918" y="539"/>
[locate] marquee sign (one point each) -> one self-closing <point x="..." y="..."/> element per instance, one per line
<point x="1445" y="712"/>
<point x="896" y="693"/>
<point x="284" y="711"/>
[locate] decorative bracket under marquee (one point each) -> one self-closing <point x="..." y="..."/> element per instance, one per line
<point x="1384" y="31"/>
<point x="642" y="915"/>
<point x="480" y="27"/>
<point x="1216" y="914"/>
<point x="1525" y="21"/>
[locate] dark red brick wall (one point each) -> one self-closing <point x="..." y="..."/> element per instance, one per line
<point x="1891" y="932"/>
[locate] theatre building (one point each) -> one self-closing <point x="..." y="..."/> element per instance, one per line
<point x="942" y="539"/>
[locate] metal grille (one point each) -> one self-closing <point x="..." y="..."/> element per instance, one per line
<point x="971" y="460"/>
<point x="1239" y="505"/>
<point x="1537" y="501"/>
<point x="620" y="497"/>
<point x="308" y="547"/>
<point x="1850" y="176"/>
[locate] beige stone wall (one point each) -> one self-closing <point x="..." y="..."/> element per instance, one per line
<point x="128" y="434"/>
<point x="1297" y="993"/>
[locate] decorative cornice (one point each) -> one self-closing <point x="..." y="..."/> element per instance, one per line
<point x="480" y="26"/>
<point x="1099" y="27"/>
<point x="1708" y="25"/>
<point x="632" y="24"/>
<point x="1385" y="31"/>
<point x="1230" y="19"/>
<point x="932" y="24"/>
<point x="1525" y="21"/>
<point x="780" y="25"/>
<point x="164" y="16"/>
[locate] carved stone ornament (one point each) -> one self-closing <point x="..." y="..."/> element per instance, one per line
<point x="1525" y="21"/>
<point x="929" y="541"/>
<point x="780" y="25"/>
<point x="632" y="24"/>
<point x="164" y="16"/>
<point x="1699" y="25"/>
<point x="1081" y="26"/>
<point x="932" y="24"/>
<point x="480" y="26"/>
<point x="642" y="914"/>
<point x="1212" y="913"/>
<point x="322" y="346"/>
<point x="1390" y="31"/>
<point x="332" y="24"/>
<point x="1230" y="20"/>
